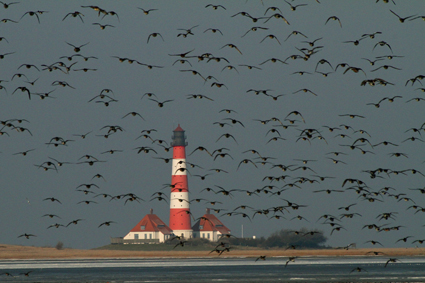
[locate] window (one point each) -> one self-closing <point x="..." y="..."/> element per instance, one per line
<point x="146" y="236"/>
<point x="201" y="227"/>
<point x="143" y="227"/>
<point x="208" y="235"/>
<point x="203" y="235"/>
<point x="136" y="236"/>
<point x="150" y="236"/>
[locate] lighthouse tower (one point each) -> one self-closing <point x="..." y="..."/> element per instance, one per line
<point x="179" y="200"/>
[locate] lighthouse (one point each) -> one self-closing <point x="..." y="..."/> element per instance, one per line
<point x="179" y="199"/>
<point x="151" y="229"/>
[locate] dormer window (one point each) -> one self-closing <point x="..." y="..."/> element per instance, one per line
<point x="142" y="227"/>
<point x="201" y="227"/>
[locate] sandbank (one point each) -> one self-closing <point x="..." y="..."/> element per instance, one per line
<point x="30" y="252"/>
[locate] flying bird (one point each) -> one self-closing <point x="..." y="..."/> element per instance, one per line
<point x="106" y="223"/>
<point x="231" y="46"/>
<point x="161" y="103"/>
<point x="391" y="260"/>
<point x="400" y="18"/>
<point x="77" y="48"/>
<point x="53" y="200"/>
<point x="155" y="34"/>
<point x="215" y="7"/>
<point x="27" y="236"/>
<point x="335" y="18"/>
<point x="74" y="14"/>
<point x="33" y="13"/>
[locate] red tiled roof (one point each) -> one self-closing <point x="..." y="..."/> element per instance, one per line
<point x="212" y="224"/>
<point x="178" y="129"/>
<point x="152" y="223"/>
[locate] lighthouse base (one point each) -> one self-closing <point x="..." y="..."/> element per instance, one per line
<point x="186" y="234"/>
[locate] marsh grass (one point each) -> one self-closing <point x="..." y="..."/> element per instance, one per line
<point x="28" y="252"/>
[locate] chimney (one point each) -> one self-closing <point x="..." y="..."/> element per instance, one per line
<point x="208" y="211"/>
<point x="151" y="211"/>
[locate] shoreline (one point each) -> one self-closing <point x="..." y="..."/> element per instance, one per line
<point x="14" y="252"/>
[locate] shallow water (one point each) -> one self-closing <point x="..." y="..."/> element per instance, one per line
<point x="303" y="269"/>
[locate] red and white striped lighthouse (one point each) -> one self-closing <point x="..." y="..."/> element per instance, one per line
<point x="179" y="200"/>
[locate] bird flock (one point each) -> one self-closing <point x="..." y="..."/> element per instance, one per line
<point x="293" y="120"/>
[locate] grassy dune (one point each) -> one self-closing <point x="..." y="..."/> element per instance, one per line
<point x="28" y="252"/>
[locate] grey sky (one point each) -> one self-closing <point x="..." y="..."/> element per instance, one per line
<point x="67" y="112"/>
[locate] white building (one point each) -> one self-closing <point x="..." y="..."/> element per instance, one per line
<point x="209" y="227"/>
<point x="151" y="229"/>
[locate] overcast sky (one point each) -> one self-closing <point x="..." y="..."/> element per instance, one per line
<point x="75" y="106"/>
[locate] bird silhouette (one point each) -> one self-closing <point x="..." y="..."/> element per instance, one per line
<point x="231" y="46"/>
<point x="277" y="16"/>
<point x="335" y="18"/>
<point x="74" y="15"/>
<point x="77" y="48"/>
<point x="33" y="13"/>
<point x="290" y="259"/>
<point x="402" y="20"/>
<point x="394" y="260"/>
<point x="215" y="7"/>
<point x="154" y="34"/>
<point x="27" y="236"/>
<point x="161" y="103"/>
<point x="147" y="11"/>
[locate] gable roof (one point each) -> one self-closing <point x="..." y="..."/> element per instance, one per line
<point x="211" y="224"/>
<point x="152" y="223"/>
